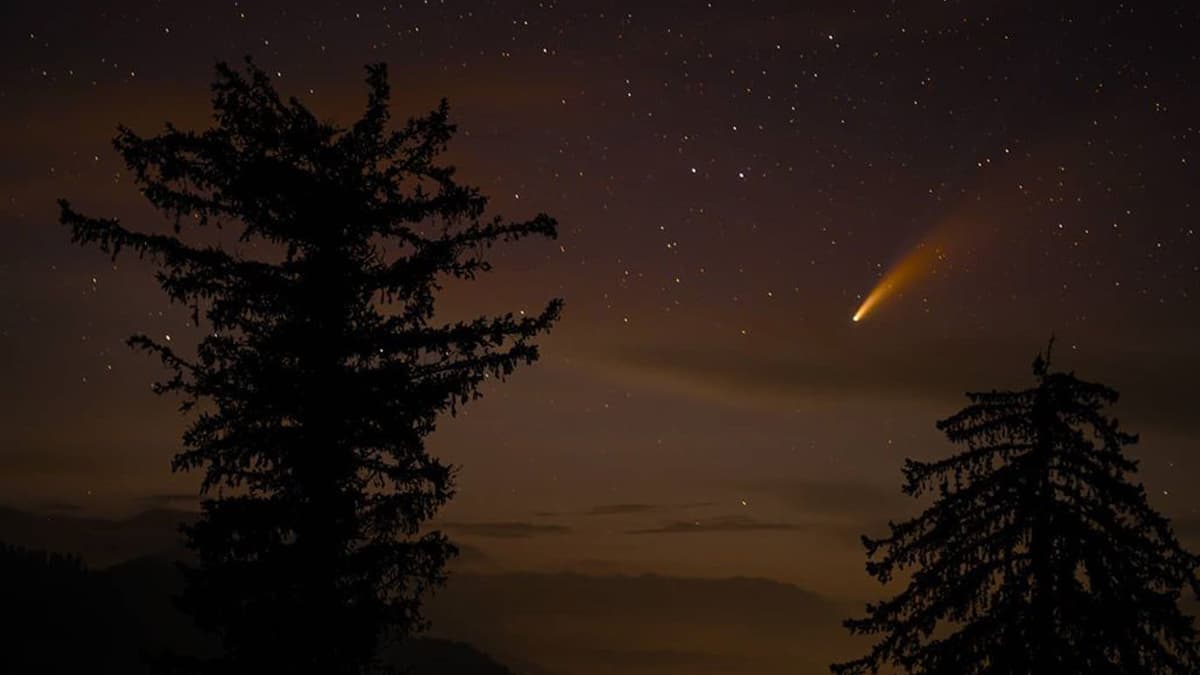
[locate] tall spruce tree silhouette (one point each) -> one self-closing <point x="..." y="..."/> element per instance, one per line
<point x="323" y="368"/>
<point x="1038" y="556"/>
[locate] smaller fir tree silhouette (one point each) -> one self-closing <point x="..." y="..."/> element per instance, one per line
<point x="1038" y="555"/>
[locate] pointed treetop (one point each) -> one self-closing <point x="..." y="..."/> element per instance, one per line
<point x="1041" y="364"/>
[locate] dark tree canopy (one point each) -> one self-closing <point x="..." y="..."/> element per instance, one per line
<point x="323" y="367"/>
<point x="1038" y="555"/>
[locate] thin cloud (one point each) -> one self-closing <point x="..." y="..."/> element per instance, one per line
<point x="636" y="508"/>
<point x="852" y="500"/>
<point x="505" y="530"/>
<point x="726" y="524"/>
<point x="935" y="371"/>
<point x="472" y="558"/>
<point x="618" y="509"/>
<point x="172" y="500"/>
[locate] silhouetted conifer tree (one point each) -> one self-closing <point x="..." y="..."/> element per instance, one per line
<point x="1038" y="556"/>
<point x="323" y="368"/>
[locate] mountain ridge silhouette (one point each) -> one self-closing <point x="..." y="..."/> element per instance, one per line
<point x="536" y="623"/>
<point x="120" y="618"/>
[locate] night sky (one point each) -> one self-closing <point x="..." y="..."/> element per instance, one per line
<point x="732" y="180"/>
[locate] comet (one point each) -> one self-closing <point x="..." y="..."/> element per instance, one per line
<point x="982" y="210"/>
<point x="921" y="260"/>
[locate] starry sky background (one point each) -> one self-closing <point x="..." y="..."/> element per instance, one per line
<point x="731" y="179"/>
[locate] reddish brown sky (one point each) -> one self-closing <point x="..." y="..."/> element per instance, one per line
<point x="731" y="179"/>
